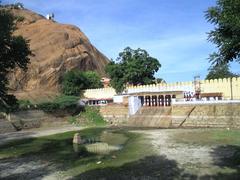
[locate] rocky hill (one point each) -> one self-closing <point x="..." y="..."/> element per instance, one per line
<point x="57" y="48"/>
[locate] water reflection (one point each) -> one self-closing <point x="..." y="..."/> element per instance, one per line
<point x="106" y="143"/>
<point x="101" y="148"/>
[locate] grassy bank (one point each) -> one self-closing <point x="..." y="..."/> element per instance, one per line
<point x="89" y="117"/>
<point x="209" y="137"/>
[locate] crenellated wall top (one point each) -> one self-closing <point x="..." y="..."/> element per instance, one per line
<point x="186" y="83"/>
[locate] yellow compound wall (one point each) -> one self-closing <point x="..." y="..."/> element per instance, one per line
<point x="207" y="86"/>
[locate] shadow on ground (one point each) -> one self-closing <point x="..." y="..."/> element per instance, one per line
<point x="226" y="157"/>
<point x="151" y="167"/>
<point x="24" y="168"/>
<point x="6" y="137"/>
<point x="159" y="167"/>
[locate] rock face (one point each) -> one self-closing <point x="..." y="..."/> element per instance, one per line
<point x="57" y="48"/>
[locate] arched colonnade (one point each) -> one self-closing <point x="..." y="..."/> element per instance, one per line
<point x="157" y="100"/>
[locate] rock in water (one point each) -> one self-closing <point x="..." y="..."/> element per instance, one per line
<point x="77" y="139"/>
<point x="57" y="48"/>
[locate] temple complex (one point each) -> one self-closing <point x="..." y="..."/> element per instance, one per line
<point x="165" y="94"/>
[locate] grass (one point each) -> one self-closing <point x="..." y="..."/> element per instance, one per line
<point x="209" y="137"/>
<point x="62" y="102"/>
<point x="44" y="145"/>
<point x="58" y="149"/>
<point x="90" y="117"/>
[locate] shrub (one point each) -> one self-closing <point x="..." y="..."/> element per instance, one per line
<point x="92" y="116"/>
<point x="76" y="81"/>
<point x="59" y="103"/>
<point x="48" y="106"/>
<point x="24" y="104"/>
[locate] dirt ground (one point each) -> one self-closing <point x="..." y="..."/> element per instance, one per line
<point x="36" y="132"/>
<point x="197" y="159"/>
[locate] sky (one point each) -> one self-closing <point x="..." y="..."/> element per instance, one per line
<point x="173" y="31"/>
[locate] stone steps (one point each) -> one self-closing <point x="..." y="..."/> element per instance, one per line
<point x="152" y="117"/>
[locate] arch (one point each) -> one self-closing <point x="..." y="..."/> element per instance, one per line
<point x="154" y="100"/>
<point x="147" y="101"/>
<point x="161" y="100"/>
<point x="168" y="100"/>
<point x="142" y="99"/>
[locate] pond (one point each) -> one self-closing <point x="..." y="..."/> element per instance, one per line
<point x="56" y="155"/>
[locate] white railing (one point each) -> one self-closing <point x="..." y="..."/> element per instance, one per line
<point x="160" y="89"/>
<point x="182" y="102"/>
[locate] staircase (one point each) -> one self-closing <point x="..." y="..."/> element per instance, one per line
<point x="158" y="117"/>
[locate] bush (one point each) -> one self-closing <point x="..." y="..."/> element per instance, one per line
<point x="48" y="106"/>
<point x="24" y="104"/>
<point x="60" y="103"/>
<point x="92" y="116"/>
<point x="76" y="81"/>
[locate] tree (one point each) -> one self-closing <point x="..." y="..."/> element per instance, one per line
<point x="14" y="52"/>
<point x="159" y="80"/>
<point x="220" y="71"/>
<point x="75" y="81"/>
<point x="93" y="79"/>
<point x="225" y="16"/>
<point x="132" y="67"/>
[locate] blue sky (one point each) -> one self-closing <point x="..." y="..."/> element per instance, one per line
<point x="173" y="31"/>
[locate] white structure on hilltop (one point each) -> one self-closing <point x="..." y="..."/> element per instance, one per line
<point x="50" y="16"/>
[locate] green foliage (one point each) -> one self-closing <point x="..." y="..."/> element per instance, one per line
<point x="66" y="101"/>
<point x="60" y="103"/>
<point x="76" y="81"/>
<point x="92" y="116"/>
<point x="93" y="80"/>
<point x="73" y="83"/>
<point x="24" y="104"/>
<point x="72" y="120"/>
<point x="49" y="106"/>
<point x="225" y="16"/>
<point x="132" y="67"/>
<point x="14" y="52"/>
<point x="220" y="71"/>
<point x="159" y="80"/>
